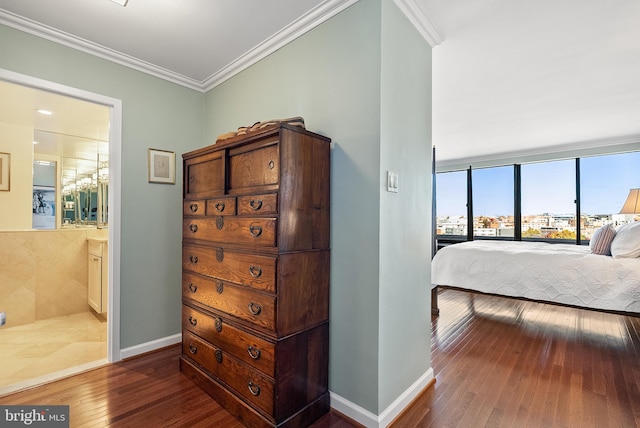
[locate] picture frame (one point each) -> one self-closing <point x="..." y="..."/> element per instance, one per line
<point x="162" y="166"/>
<point x="5" y="172"/>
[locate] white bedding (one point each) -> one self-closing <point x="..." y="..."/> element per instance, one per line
<point x="561" y="273"/>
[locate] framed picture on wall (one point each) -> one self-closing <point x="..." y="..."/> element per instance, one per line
<point x="162" y="166"/>
<point x="5" y="173"/>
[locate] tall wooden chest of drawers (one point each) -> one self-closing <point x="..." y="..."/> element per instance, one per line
<point x="255" y="275"/>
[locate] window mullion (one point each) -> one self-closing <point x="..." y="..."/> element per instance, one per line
<point x="517" y="203"/>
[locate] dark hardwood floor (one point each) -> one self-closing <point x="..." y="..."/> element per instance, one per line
<point x="498" y="362"/>
<point x="503" y="362"/>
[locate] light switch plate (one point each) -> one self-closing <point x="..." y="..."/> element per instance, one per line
<point x="392" y="182"/>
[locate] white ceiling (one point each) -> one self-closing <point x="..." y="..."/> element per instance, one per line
<point x="530" y="75"/>
<point x="509" y="76"/>
<point x="196" y="43"/>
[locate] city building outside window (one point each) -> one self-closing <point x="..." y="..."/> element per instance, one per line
<point x="451" y="204"/>
<point x="493" y="202"/>
<point x="548" y="200"/>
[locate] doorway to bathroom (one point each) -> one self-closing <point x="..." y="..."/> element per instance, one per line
<point x="56" y="323"/>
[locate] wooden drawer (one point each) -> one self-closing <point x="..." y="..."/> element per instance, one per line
<point x="235" y="230"/>
<point x="235" y="300"/>
<point x="194" y="208"/>
<point x="204" y="175"/>
<point x="252" y="350"/>
<point x="246" y="381"/>
<point x="254" y="166"/>
<point x="258" y="204"/>
<point x="255" y="271"/>
<point x="221" y="206"/>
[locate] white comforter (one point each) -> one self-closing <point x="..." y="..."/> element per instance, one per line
<point x="561" y="273"/>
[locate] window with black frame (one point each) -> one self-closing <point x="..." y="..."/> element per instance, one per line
<point x="604" y="185"/>
<point x="548" y="200"/>
<point x="451" y="205"/>
<point x="493" y="207"/>
<point x="539" y="200"/>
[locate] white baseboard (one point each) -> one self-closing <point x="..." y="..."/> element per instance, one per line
<point x="368" y="419"/>
<point x="150" y="346"/>
<point x="342" y="405"/>
<point x="353" y="411"/>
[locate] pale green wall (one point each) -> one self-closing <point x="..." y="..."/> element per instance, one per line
<point x="156" y="114"/>
<point x="333" y="77"/>
<point x="405" y="223"/>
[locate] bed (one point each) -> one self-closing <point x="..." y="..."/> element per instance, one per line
<point x="558" y="273"/>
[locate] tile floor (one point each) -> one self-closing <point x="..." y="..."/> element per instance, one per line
<point x="55" y="347"/>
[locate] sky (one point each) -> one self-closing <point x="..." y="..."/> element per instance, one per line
<point x="547" y="187"/>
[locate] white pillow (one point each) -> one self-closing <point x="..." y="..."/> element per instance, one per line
<point x="601" y="240"/>
<point x="626" y="244"/>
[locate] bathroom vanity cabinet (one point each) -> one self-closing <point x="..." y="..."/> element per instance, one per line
<point x="98" y="267"/>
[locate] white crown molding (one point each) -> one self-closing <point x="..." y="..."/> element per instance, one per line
<point x="308" y="21"/>
<point x="69" y="40"/>
<point x="419" y="20"/>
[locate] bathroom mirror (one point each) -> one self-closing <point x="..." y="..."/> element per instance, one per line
<point x="84" y="177"/>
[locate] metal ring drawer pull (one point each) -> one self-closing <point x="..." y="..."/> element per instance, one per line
<point x="193" y="349"/>
<point x="254" y="308"/>
<point x="193" y="227"/>
<point x="253" y="388"/>
<point x="219" y="286"/>
<point x="255" y="271"/>
<point x="219" y="356"/>
<point x="255" y="204"/>
<point x="218" y="324"/>
<point x="254" y="352"/>
<point x="255" y="231"/>
<point x="193" y="288"/>
<point x="193" y="259"/>
<point x="271" y="164"/>
<point x="192" y="178"/>
<point x="193" y="321"/>
<point x="193" y="207"/>
<point x="220" y="207"/>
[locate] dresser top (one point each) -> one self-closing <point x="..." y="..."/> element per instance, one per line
<point x="252" y="136"/>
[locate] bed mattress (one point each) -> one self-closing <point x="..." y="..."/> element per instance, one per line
<point x="560" y="273"/>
